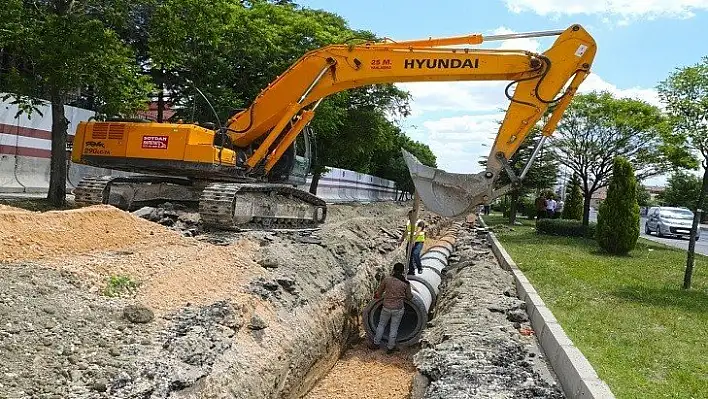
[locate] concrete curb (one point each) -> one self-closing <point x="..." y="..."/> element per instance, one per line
<point x="575" y="374"/>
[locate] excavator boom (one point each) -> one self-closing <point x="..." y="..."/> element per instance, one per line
<point x="539" y="79"/>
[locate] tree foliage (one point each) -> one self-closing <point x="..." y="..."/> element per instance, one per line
<point x="597" y="128"/>
<point x="618" y="216"/>
<point x="114" y="56"/>
<point x="643" y="196"/>
<point x="682" y="190"/>
<point x="389" y="162"/>
<point x="573" y="207"/>
<point x="63" y="52"/>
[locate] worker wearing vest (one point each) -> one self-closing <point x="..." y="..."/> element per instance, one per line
<point x="419" y="240"/>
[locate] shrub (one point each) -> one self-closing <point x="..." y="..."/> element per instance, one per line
<point x="529" y="208"/>
<point x="618" y="216"/>
<point x="118" y="285"/>
<point x="573" y="207"/>
<point x="565" y="228"/>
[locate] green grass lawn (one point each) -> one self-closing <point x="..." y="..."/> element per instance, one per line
<point x="643" y="334"/>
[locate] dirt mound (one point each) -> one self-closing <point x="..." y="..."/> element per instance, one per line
<point x="168" y="275"/>
<point x="256" y="314"/>
<point x="32" y="235"/>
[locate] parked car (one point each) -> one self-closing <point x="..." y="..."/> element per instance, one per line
<point x="670" y="221"/>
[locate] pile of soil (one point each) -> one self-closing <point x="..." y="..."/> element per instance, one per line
<point x="40" y="235"/>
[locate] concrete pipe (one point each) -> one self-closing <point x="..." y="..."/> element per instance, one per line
<point x="425" y="288"/>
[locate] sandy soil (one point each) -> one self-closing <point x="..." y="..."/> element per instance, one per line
<point x="365" y="373"/>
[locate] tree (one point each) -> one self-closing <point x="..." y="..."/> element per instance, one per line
<point x="573" y="207"/>
<point x="232" y="50"/>
<point x="643" y="196"/>
<point x="685" y="92"/>
<point x="596" y="128"/>
<point x="388" y="161"/>
<point x="56" y="49"/>
<point x="682" y="190"/>
<point x="543" y="173"/>
<point x="618" y="216"/>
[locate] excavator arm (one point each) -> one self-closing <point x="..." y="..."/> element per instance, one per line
<point x="279" y="113"/>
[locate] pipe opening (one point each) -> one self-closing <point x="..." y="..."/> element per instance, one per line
<point x="414" y="319"/>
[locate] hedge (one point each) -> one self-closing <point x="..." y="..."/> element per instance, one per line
<point x="565" y="228"/>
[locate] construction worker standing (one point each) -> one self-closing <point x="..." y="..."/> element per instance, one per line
<point x="418" y="240"/>
<point x="394" y="290"/>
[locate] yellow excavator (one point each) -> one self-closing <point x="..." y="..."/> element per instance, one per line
<point x="242" y="173"/>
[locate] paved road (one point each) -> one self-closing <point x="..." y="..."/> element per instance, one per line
<point x="701" y="245"/>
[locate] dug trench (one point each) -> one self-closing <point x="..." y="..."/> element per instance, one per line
<point x="99" y="303"/>
<point x="478" y="342"/>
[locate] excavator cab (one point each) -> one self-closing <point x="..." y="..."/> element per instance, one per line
<point x="296" y="163"/>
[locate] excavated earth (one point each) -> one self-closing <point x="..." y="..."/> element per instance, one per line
<point x="100" y="303"/>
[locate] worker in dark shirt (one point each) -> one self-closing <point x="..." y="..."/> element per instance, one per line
<point x="394" y="288"/>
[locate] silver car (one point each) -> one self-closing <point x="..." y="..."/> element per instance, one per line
<point x="670" y="221"/>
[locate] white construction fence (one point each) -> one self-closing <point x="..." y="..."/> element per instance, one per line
<point x="25" y="153"/>
<point x="341" y="185"/>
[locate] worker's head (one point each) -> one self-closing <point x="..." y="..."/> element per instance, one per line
<point x="398" y="268"/>
<point x="421" y="224"/>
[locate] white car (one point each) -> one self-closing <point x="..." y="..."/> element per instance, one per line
<point x="670" y="221"/>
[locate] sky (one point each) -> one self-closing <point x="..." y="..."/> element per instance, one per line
<point x="639" y="43"/>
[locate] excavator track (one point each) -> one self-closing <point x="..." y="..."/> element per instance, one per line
<point x="90" y="190"/>
<point x="222" y="206"/>
<point x="235" y="206"/>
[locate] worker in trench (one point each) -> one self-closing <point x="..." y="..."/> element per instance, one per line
<point x="394" y="289"/>
<point x="415" y="261"/>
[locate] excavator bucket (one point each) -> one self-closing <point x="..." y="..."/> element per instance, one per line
<point x="447" y="194"/>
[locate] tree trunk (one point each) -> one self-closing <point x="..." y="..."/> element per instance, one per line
<point x="161" y="106"/>
<point x="315" y="182"/>
<point x="586" y="208"/>
<point x="692" y="241"/>
<point x="57" y="177"/>
<point x="513" y="206"/>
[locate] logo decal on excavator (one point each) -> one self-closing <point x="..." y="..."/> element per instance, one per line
<point x="155" y="142"/>
<point x="381" y="64"/>
<point x="440" y="63"/>
<point x="96" y="148"/>
<point x="95" y="144"/>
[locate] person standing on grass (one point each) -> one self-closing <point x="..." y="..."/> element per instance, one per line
<point x="551" y="206"/>
<point x="540" y="207"/>
<point x="395" y="289"/>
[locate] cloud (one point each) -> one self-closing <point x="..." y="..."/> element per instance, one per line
<point x="627" y="9"/>
<point x="595" y="83"/>
<point x="528" y="44"/>
<point x="455" y="96"/>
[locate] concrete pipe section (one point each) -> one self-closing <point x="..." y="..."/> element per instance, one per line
<point x="425" y="287"/>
